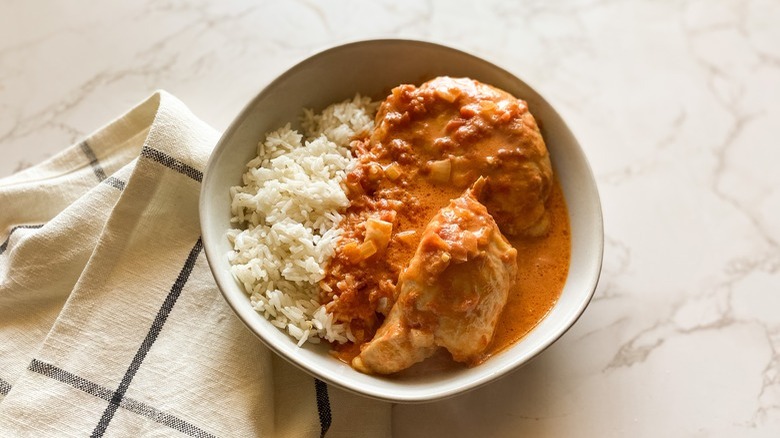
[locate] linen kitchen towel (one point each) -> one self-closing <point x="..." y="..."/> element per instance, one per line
<point x="110" y="321"/>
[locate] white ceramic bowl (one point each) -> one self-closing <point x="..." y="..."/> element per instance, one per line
<point x="373" y="68"/>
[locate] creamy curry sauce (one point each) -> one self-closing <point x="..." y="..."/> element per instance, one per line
<point x="430" y="144"/>
<point x="542" y="268"/>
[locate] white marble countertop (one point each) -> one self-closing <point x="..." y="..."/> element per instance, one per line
<point x="674" y="103"/>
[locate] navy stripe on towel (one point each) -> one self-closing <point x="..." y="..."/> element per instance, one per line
<point x="151" y="336"/>
<point x="5" y="387"/>
<point x="171" y="163"/>
<point x="323" y="406"/>
<point x="4" y="245"/>
<point x="106" y="394"/>
<point x="93" y="161"/>
<point x="115" y="183"/>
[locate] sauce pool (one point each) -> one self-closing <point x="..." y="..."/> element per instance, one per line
<point x="542" y="268"/>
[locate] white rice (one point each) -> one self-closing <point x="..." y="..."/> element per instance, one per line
<point x="289" y="206"/>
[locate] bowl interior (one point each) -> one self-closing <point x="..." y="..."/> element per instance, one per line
<point x="373" y="68"/>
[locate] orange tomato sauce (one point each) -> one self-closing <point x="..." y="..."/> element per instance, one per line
<point x="542" y="268"/>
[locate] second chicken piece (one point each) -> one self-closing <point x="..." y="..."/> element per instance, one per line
<point x="452" y="293"/>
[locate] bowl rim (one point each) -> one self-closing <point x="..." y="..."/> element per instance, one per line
<point x="243" y="311"/>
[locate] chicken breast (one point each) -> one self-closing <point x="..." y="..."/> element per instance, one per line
<point x="458" y="129"/>
<point x="450" y="295"/>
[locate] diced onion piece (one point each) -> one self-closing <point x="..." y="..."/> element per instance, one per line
<point x="379" y="232"/>
<point x="440" y="170"/>
<point x="393" y="171"/>
<point x="448" y="94"/>
<point x="353" y="187"/>
<point x="351" y="251"/>
<point x="367" y="249"/>
<point x="488" y="106"/>
<point x="407" y="236"/>
<point x="375" y="171"/>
